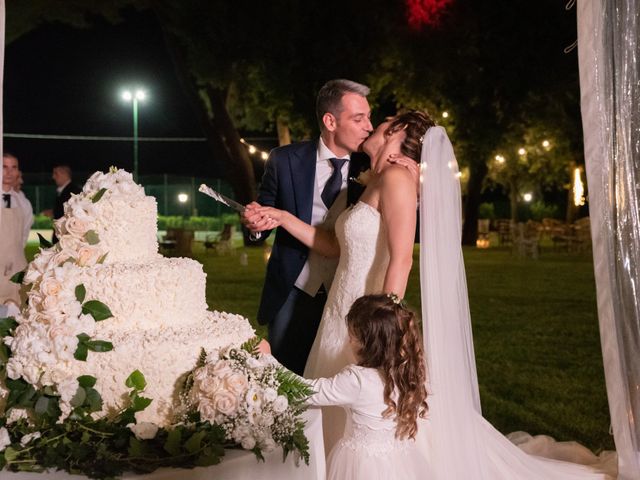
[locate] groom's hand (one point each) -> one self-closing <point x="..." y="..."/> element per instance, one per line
<point x="254" y="219"/>
<point x="408" y="163"/>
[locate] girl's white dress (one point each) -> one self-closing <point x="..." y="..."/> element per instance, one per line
<point x="368" y="450"/>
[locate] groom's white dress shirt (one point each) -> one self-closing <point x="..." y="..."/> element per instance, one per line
<point x="319" y="270"/>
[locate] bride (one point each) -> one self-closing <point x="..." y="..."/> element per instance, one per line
<point x="374" y="240"/>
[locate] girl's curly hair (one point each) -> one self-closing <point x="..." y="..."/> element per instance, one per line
<point x="390" y="341"/>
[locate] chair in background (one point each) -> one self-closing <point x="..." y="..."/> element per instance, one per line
<point x="221" y="243"/>
<point x="581" y="238"/>
<point x="526" y="239"/>
<point x="503" y="226"/>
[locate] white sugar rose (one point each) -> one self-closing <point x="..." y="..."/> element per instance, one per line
<point x="144" y="430"/>
<point x="50" y="286"/>
<point x="67" y="389"/>
<point x="209" y="385"/>
<point x="76" y="227"/>
<point x="68" y="243"/>
<point x="5" y="440"/>
<point x="236" y="383"/>
<point x="87" y="256"/>
<point x="50" y="304"/>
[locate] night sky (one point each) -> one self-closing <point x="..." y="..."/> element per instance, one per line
<point x="65" y="81"/>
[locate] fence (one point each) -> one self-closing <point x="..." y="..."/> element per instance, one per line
<point x="169" y="191"/>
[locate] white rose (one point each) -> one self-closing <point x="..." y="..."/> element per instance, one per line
<point x="209" y="385"/>
<point x="28" y="437"/>
<point x="31" y="276"/>
<point x="236" y="383"/>
<point x="58" y="226"/>
<point x="270" y="394"/>
<point x="220" y="369"/>
<point x="31" y="374"/>
<point x="248" y="442"/>
<point x="67" y="389"/>
<point x="14" y="369"/>
<point x="240" y="432"/>
<point x="5" y="440"/>
<point x="143" y="430"/>
<point x="76" y="227"/>
<point x="225" y="402"/>
<point x="207" y="411"/>
<point x="281" y="404"/>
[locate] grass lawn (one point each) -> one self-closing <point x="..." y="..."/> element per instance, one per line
<point x="535" y="333"/>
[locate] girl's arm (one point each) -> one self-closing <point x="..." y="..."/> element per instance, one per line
<point x="318" y="239"/>
<point x="398" y="200"/>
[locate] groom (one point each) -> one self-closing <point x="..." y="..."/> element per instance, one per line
<point x="310" y="180"/>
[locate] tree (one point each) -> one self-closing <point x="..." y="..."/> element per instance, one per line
<point x="481" y="63"/>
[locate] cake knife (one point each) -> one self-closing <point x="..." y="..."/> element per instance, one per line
<point x="238" y="207"/>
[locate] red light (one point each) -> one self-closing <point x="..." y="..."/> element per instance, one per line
<point x="425" y="12"/>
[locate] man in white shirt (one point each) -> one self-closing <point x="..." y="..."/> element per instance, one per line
<point x="310" y="180"/>
<point x="16" y="219"/>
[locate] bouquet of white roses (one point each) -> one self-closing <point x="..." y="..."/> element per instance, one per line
<point x="256" y="401"/>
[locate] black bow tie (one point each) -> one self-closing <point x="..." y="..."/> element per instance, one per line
<point x="6" y="198"/>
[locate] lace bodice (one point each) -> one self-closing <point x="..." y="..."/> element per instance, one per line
<point x="364" y="257"/>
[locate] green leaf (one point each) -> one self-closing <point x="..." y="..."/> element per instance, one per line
<point x="21" y="393"/>
<point x="86" y="381"/>
<point x="251" y="344"/>
<point x="136" y="380"/>
<point x="207" y="458"/>
<point x="18" y="277"/>
<point x="83" y="337"/>
<point x="79" y="398"/>
<point x="81" y="292"/>
<point x="81" y="352"/>
<point x="11" y="454"/>
<point x="172" y="445"/>
<point x="44" y="243"/>
<point x="98" y="310"/>
<point x="99" y="345"/>
<point x="140" y="403"/>
<point x="94" y="400"/>
<point x="7" y="324"/>
<point x="47" y="406"/>
<point x="92" y="237"/>
<point x="135" y="447"/>
<point x="98" y="195"/>
<point x="102" y="258"/>
<point x="195" y="441"/>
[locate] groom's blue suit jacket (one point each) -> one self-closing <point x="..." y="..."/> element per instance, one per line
<point x="288" y="184"/>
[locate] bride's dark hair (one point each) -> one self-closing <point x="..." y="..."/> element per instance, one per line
<point x="415" y="124"/>
<point x="389" y="340"/>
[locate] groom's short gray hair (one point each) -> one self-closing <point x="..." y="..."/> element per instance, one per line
<point x="330" y="96"/>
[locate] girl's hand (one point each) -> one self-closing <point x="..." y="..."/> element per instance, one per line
<point x="263" y="347"/>
<point x="408" y="163"/>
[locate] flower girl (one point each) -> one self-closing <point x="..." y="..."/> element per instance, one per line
<point x="384" y="394"/>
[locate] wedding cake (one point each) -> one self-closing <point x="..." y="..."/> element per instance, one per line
<point x="103" y="302"/>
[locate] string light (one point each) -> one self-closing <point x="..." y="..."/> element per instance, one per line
<point x="445" y="114"/>
<point x="253" y="150"/>
<point x="545" y="143"/>
<point x="527" y="197"/>
<point x="499" y="159"/>
<point x="578" y="189"/>
<point x="522" y="151"/>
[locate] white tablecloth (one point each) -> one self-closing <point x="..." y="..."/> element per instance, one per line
<point x="236" y="464"/>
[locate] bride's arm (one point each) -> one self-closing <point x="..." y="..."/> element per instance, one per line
<point x="318" y="239"/>
<point x="398" y="199"/>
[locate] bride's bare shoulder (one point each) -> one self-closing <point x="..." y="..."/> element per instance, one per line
<point x="396" y="175"/>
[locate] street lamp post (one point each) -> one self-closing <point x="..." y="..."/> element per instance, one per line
<point x="134" y="97"/>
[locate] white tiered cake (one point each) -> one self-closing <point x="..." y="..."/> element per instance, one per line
<point x="108" y="254"/>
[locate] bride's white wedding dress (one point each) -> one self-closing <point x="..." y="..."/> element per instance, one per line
<point x="364" y="257"/>
<point x="473" y="448"/>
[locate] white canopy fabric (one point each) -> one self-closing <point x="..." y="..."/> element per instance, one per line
<point x="608" y="51"/>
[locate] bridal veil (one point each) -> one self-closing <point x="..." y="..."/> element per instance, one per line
<point x="462" y="445"/>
